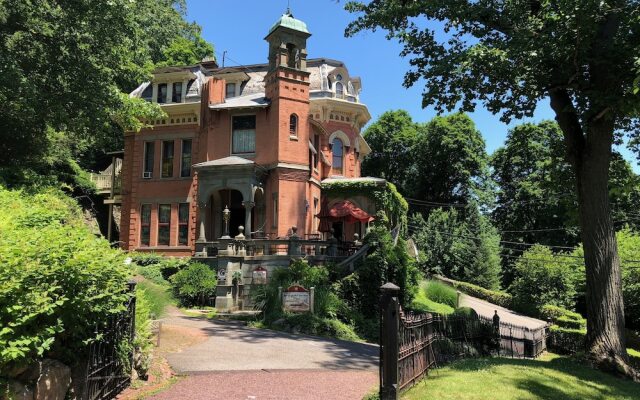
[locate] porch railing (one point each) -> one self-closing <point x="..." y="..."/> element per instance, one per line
<point x="279" y="247"/>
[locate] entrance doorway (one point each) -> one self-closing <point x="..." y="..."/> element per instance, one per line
<point x="219" y="200"/>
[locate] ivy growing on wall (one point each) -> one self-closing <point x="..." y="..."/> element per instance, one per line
<point x="384" y="194"/>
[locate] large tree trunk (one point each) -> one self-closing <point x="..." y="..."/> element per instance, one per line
<point x="590" y="156"/>
<point x="605" y="310"/>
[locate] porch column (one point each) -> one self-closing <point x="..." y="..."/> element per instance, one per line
<point x="248" y="206"/>
<point x="202" y="212"/>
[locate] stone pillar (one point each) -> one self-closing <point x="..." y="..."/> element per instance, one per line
<point x="154" y="93"/>
<point x="202" y="212"/>
<point x="184" y="91"/>
<point x="248" y="207"/>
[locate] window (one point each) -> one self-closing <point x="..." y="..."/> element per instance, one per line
<point x="164" y="224"/>
<point x="293" y="125"/>
<point x="185" y="159"/>
<point x="145" y="225"/>
<point x="167" y="159"/>
<point x="274" y="222"/>
<point x="316" y="225"/>
<point x="339" y="89"/>
<point x="230" y="90"/>
<point x="176" y="96"/>
<point x="162" y="93"/>
<point x="316" y="144"/>
<point x="244" y="134"/>
<point x="148" y="160"/>
<point x="147" y="93"/>
<point x="338" y="77"/>
<point x="338" y="152"/>
<point x="183" y="224"/>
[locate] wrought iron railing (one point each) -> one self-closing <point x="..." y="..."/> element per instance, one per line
<point x="411" y="344"/>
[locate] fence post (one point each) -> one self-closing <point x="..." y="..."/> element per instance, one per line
<point x="389" y="341"/>
<point x="496" y="330"/>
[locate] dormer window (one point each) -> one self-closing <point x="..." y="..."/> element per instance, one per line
<point x="338" y="77"/>
<point x="339" y="89"/>
<point x="176" y="96"/>
<point x="162" y="93"/>
<point x="293" y="125"/>
<point x="230" y="90"/>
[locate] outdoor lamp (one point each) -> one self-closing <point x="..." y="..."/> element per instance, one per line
<point x="226" y="216"/>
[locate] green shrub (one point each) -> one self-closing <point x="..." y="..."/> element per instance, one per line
<point x="194" y="285"/>
<point x="421" y="303"/>
<point x="492" y="296"/>
<point x="466" y="312"/>
<point x="159" y="296"/>
<point x="59" y="281"/>
<point x="542" y="277"/>
<point x="158" y="268"/>
<point x="570" y="323"/>
<point x="565" y="340"/>
<point x="441" y="293"/>
<point x="562" y="317"/>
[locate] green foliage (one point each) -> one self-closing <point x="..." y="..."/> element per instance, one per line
<point x="392" y="139"/>
<point x="422" y="303"/>
<point x="414" y="155"/>
<point x="66" y="66"/>
<point x="629" y="251"/>
<point x="551" y="312"/>
<point x="542" y="277"/>
<point x="159" y="297"/>
<point x="156" y="267"/>
<point x="492" y="296"/>
<point x="441" y="293"/>
<point x="59" y="281"/>
<point x="194" y="284"/>
<point x="460" y="246"/>
<point x="566" y="340"/>
<point x="386" y="198"/>
<point x="143" y="339"/>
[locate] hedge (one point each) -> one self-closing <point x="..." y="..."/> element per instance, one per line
<point x="499" y="298"/>
<point x="59" y="280"/>
<point x="566" y="340"/>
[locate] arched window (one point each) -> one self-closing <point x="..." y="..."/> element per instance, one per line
<point x="339" y="90"/>
<point x="293" y="125"/>
<point x="337" y="150"/>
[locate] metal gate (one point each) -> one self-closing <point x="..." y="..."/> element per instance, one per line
<point x="111" y="357"/>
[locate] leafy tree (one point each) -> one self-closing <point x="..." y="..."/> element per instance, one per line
<point x="509" y="55"/>
<point x="543" y="278"/>
<point x="194" y="284"/>
<point x="64" y="65"/>
<point x="186" y="50"/>
<point x="536" y="203"/>
<point x="451" y="162"/>
<point x="464" y="246"/>
<point x="392" y="139"/>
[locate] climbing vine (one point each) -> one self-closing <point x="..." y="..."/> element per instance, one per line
<point x="384" y="194"/>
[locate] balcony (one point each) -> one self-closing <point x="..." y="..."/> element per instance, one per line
<point x="103" y="183"/>
<point x="318" y="94"/>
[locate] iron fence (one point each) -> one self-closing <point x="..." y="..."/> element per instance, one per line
<point x="411" y="344"/>
<point x="111" y="356"/>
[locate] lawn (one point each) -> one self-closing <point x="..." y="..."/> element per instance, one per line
<point x="550" y="377"/>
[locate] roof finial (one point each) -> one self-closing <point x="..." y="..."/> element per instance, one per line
<point x="289" y="7"/>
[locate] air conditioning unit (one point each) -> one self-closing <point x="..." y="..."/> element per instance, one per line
<point x="147" y="175"/>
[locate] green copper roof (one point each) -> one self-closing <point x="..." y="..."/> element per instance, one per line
<point x="287" y="21"/>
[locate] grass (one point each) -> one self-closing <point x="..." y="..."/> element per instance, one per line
<point x="550" y="377"/>
<point x="205" y="312"/>
<point x="424" y="299"/>
<point x="159" y="296"/>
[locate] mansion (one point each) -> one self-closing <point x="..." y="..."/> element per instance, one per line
<point x="246" y="151"/>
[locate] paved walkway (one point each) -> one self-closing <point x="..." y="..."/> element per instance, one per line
<point x="486" y="309"/>
<point x="238" y="362"/>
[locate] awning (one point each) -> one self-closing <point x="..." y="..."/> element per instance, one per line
<point x="345" y="211"/>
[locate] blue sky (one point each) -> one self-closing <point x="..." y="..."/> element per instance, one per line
<point x="239" y="27"/>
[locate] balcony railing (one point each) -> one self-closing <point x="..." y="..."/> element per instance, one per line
<point x="327" y="93"/>
<point x="292" y="246"/>
<point x="103" y="183"/>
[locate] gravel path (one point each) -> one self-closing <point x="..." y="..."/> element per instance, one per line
<point x="273" y="385"/>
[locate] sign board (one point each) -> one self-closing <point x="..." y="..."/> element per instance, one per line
<point x="259" y="276"/>
<point x="296" y="299"/>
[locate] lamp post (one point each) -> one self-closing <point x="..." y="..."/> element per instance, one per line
<point x="226" y="217"/>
